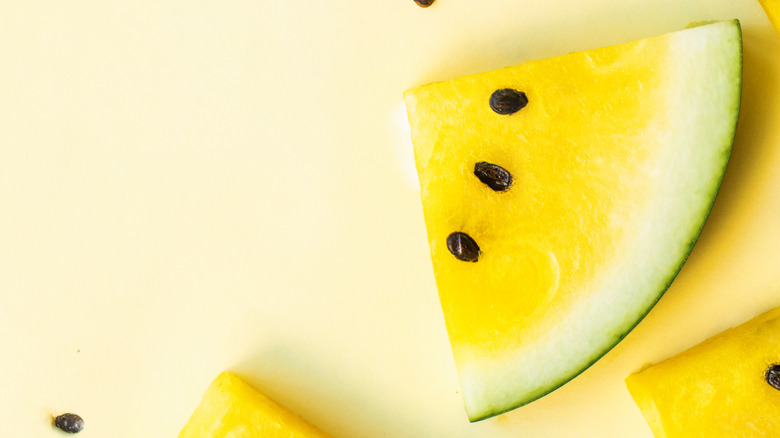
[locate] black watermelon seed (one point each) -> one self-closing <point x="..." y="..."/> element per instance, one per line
<point x="70" y="423"/>
<point x="463" y="247"/>
<point x="773" y="376"/>
<point x="508" y="101"/>
<point x="424" y="3"/>
<point x="493" y="175"/>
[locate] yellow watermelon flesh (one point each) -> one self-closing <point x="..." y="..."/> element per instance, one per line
<point x="615" y="163"/>
<point x="772" y="9"/>
<point x="232" y="409"/>
<point x="718" y="388"/>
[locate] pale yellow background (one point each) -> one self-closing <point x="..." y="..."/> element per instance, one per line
<point x="188" y="187"/>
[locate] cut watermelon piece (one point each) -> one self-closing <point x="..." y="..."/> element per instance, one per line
<point x="615" y="157"/>
<point x="772" y="9"/>
<point x="232" y="409"/>
<point x="727" y="386"/>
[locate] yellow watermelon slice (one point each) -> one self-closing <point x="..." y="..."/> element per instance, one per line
<point x="232" y="409"/>
<point x="772" y="9"/>
<point x="727" y="386"/>
<point x="562" y="196"/>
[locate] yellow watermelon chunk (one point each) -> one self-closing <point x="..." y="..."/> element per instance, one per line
<point x="232" y="409"/>
<point x="615" y="161"/>
<point x="718" y="388"/>
<point x="772" y="9"/>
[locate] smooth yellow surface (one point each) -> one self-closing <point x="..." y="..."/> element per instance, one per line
<point x="717" y="388"/>
<point x="232" y="409"/>
<point x="578" y="158"/>
<point x="189" y="187"/>
<point x="772" y="9"/>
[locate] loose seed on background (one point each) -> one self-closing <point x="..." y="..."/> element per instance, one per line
<point x="70" y="423"/>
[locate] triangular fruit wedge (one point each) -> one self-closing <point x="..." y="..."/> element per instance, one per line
<point x="772" y="9"/>
<point x="727" y="386"/>
<point x="232" y="409"/>
<point x="562" y="197"/>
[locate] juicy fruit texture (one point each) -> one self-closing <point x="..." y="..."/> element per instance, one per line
<point x="615" y="162"/>
<point x="772" y="9"/>
<point x="718" y="388"/>
<point x="232" y="409"/>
